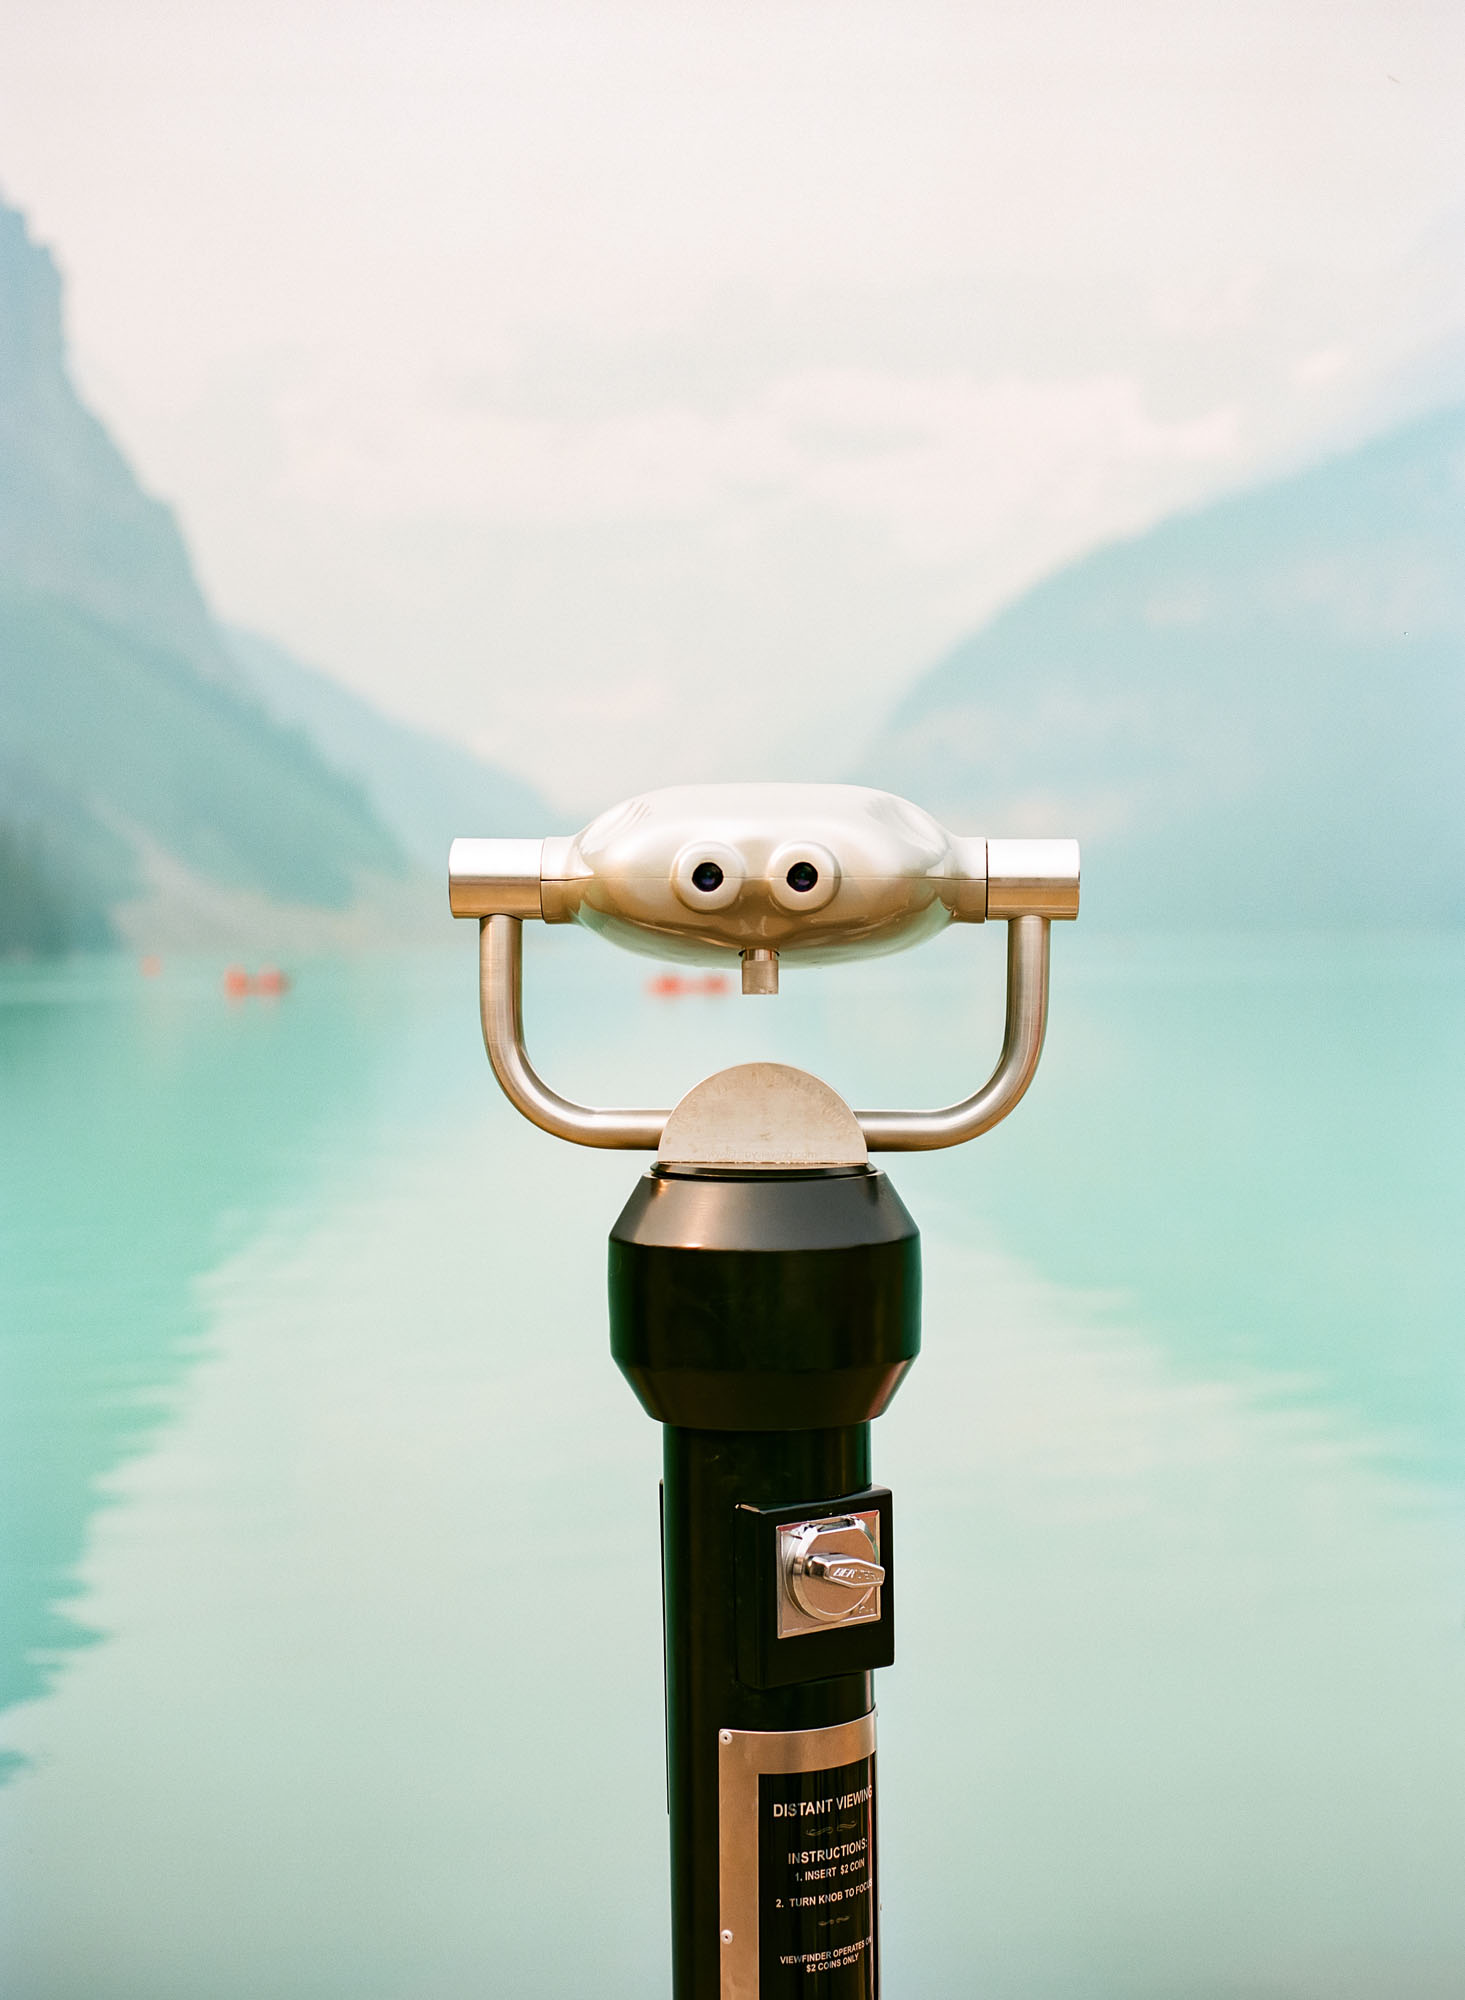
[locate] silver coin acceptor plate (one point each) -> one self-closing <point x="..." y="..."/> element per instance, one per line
<point x="847" y="1548"/>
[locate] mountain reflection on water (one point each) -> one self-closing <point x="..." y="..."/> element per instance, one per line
<point x="309" y="1423"/>
<point x="150" y="1129"/>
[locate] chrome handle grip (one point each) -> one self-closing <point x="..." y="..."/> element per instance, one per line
<point x="496" y="878"/>
<point x="501" y="1010"/>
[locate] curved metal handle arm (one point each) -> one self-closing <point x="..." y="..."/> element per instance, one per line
<point x="501" y="1009"/>
<point x="501" y="1006"/>
<point x="1022" y="1044"/>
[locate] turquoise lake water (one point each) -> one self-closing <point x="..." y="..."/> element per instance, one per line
<point x="329" y="1664"/>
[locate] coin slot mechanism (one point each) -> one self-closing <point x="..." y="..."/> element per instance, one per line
<point x="815" y="1589"/>
<point x="832" y="1572"/>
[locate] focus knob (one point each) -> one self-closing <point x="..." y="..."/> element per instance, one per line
<point x="850" y="1572"/>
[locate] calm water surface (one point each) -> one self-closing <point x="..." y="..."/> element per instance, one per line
<point x="329" y="1663"/>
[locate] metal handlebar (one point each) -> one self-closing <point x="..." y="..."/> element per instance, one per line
<point x="501" y="1009"/>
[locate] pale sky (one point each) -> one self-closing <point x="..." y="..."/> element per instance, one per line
<point x="649" y="392"/>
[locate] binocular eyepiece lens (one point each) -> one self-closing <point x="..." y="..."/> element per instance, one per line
<point x="802" y="876"/>
<point x="707" y="876"/>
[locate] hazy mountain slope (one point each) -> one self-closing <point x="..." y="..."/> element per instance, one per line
<point x="110" y="738"/>
<point x="1255" y="713"/>
<point x="426" y="790"/>
<point x="74" y="522"/>
<point x="139" y="775"/>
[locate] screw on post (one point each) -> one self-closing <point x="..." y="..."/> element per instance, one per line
<point x="765" y="1307"/>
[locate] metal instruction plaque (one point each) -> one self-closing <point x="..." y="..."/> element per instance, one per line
<point x="816" y="1883"/>
<point x="799" y="1901"/>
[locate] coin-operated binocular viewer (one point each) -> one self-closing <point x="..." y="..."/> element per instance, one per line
<point x="765" y="1306"/>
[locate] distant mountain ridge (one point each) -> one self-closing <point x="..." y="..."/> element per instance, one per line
<point x="425" y="789"/>
<point x="152" y="791"/>
<point x="1254" y="713"/>
<point x="168" y="803"/>
<point x="74" y="522"/>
